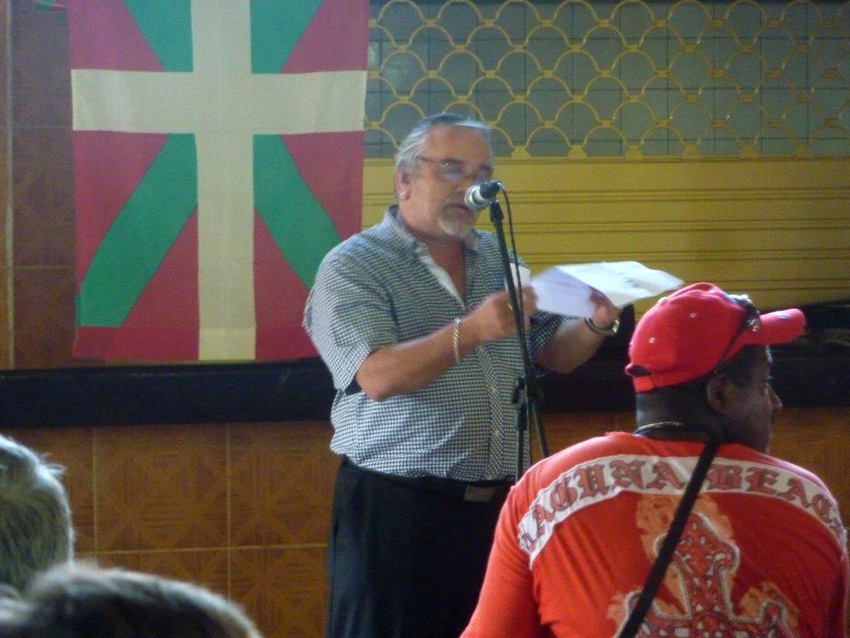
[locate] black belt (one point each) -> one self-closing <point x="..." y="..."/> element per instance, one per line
<point x="472" y="492"/>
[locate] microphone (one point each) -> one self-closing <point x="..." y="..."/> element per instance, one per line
<point x="479" y="196"/>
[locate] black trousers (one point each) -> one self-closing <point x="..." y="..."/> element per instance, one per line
<point x="407" y="557"/>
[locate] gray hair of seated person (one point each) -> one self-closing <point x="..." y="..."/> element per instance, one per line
<point x="79" y="601"/>
<point x="35" y="518"/>
<point x="410" y="149"/>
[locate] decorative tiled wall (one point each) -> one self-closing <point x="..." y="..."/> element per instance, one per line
<point x="244" y="508"/>
<point x="42" y="241"/>
<point x="5" y="190"/>
<point x="240" y="508"/>
<point x="633" y="78"/>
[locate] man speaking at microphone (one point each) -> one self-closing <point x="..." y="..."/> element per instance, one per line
<point x="413" y="320"/>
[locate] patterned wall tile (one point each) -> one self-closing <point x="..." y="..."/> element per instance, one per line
<point x="282" y="482"/>
<point x="5" y="34"/>
<point x="5" y="187"/>
<point x="5" y="192"/>
<point x="282" y="589"/>
<point x="5" y="316"/>
<point x="40" y="58"/>
<point x="207" y="568"/>
<point x="619" y="58"/>
<point x="818" y="439"/>
<point x="160" y="487"/>
<point x="43" y="197"/>
<point x="44" y="317"/>
<point x="73" y="449"/>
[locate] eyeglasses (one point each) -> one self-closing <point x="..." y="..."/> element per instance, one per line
<point x="454" y="171"/>
<point x="751" y="322"/>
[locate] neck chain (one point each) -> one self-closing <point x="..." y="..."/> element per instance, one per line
<point x="660" y="425"/>
<point x="678" y="431"/>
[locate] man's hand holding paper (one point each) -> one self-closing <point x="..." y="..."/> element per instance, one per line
<point x="569" y="290"/>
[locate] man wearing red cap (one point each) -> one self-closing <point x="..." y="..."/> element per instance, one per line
<point x="762" y="551"/>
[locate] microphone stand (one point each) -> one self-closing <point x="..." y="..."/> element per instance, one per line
<point x="526" y="395"/>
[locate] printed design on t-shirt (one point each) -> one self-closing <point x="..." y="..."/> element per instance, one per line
<point x="705" y="564"/>
<point x="602" y="479"/>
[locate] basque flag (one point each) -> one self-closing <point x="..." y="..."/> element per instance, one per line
<point x="218" y="156"/>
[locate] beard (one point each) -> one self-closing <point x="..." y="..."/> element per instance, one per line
<point x="455" y="223"/>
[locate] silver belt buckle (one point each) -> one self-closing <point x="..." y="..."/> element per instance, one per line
<point x="478" y="494"/>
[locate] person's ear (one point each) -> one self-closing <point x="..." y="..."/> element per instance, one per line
<point x="402" y="183"/>
<point x="721" y="394"/>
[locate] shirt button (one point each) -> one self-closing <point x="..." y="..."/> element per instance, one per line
<point x="497" y="434"/>
<point x="493" y="391"/>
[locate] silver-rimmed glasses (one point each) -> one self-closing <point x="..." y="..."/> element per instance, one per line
<point x="454" y="171"/>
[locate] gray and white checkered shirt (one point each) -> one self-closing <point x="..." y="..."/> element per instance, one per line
<point x="374" y="290"/>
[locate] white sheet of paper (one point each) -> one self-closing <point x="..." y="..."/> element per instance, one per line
<point x="565" y="290"/>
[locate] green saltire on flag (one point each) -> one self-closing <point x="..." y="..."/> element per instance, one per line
<point x="171" y="38"/>
<point x="297" y="222"/>
<point x="275" y="30"/>
<point x="156" y="212"/>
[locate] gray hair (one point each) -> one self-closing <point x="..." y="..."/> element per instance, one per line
<point x="411" y="146"/>
<point x="78" y="601"/>
<point x="35" y="516"/>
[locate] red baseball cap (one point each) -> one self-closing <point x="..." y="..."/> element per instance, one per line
<point x="688" y="334"/>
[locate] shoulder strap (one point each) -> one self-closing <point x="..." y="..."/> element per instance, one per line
<point x="671" y="540"/>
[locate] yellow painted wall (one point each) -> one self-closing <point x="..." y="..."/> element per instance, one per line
<point x="778" y="229"/>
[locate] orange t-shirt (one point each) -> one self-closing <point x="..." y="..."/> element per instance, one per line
<point x="763" y="552"/>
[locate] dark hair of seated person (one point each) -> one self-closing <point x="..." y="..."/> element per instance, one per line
<point x="85" y="602"/>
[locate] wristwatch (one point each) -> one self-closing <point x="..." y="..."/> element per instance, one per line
<point x="610" y="331"/>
